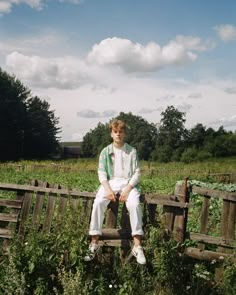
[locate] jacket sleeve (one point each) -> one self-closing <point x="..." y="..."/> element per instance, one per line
<point x="102" y="167"/>
<point x="135" y="176"/>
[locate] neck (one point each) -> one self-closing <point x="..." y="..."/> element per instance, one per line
<point x="118" y="145"/>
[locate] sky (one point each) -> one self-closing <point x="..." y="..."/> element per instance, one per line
<point x="92" y="59"/>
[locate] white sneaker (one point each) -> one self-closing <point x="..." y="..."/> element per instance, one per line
<point x="92" y="251"/>
<point x="138" y="253"/>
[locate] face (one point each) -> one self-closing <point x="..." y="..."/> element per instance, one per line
<point x="118" y="136"/>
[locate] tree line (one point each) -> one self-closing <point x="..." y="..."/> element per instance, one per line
<point x="29" y="130"/>
<point x="169" y="141"/>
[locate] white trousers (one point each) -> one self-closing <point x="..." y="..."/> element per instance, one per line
<point x="101" y="202"/>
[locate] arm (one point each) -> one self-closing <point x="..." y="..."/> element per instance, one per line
<point x="103" y="179"/>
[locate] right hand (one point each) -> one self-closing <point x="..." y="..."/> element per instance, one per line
<point x="111" y="197"/>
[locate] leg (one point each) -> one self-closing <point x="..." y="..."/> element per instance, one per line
<point x="133" y="206"/>
<point x="135" y="213"/>
<point x="97" y="217"/>
<point x="95" y="228"/>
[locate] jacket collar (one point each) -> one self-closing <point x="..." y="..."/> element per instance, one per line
<point x="127" y="148"/>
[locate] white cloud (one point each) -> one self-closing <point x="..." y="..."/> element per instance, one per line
<point x="71" y="1"/>
<point x="7" y="5"/>
<point x="195" y="95"/>
<point x="226" y="32"/>
<point x="166" y="97"/>
<point x="194" y="43"/>
<point x="184" y="107"/>
<point x="41" y="43"/>
<point x="137" y="57"/>
<point x="92" y="114"/>
<point x="67" y="73"/>
<point x="230" y="90"/>
<point x="227" y="122"/>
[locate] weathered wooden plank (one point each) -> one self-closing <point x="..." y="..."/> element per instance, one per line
<point x="11" y="203"/>
<point x="125" y="228"/>
<point x="38" y="206"/>
<point x="111" y="216"/>
<point x="204" y="219"/>
<point x="166" y="202"/>
<point x="168" y="212"/>
<point x="87" y="205"/>
<point x="111" y="222"/>
<point x="208" y="255"/>
<point x="6" y="233"/>
<point x="62" y="207"/>
<point x="224" y="222"/>
<point x="51" y="191"/>
<point x="115" y="243"/>
<point x="125" y="220"/>
<point x="114" y="233"/>
<point x="212" y="240"/>
<point x="152" y="210"/>
<point x="168" y="217"/>
<point x="61" y="210"/>
<point x="231" y="221"/>
<point x="178" y="216"/>
<point x="25" y="211"/>
<point x="9" y="217"/>
<point x="49" y="211"/>
<point x="230" y="196"/>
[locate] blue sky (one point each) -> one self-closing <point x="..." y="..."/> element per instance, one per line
<point x="92" y="59"/>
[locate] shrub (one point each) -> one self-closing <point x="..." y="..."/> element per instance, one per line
<point x="189" y="155"/>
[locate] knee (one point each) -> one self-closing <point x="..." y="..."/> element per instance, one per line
<point x="132" y="206"/>
<point x="99" y="203"/>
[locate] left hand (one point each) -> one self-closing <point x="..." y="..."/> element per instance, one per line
<point x="125" y="193"/>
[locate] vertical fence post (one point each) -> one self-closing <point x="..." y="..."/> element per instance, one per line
<point x="185" y="209"/>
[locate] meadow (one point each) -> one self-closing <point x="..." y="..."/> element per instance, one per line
<point x="53" y="263"/>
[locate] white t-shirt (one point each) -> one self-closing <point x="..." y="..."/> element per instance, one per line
<point x="119" y="163"/>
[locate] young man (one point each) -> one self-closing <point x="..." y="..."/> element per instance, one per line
<point x="118" y="172"/>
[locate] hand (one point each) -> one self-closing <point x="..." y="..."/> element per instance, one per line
<point x="125" y="193"/>
<point x="111" y="197"/>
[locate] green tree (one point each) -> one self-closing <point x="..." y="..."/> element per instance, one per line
<point x="140" y="134"/>
<point x="197" y="135"/>
<point x="22" y="118"/>
<point x="95" y="140"/>
<point x="13" y="96"/>
<point x="171" y="135"/>
<point x="40" y="134"/>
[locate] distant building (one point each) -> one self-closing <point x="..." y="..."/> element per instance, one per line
<point x="71" y="152"/>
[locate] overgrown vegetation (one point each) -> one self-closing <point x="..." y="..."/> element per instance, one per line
<point x="53" y="263"/>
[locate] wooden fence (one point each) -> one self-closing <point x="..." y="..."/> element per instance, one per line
<point x="41" y="205"/>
